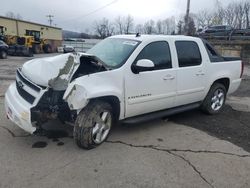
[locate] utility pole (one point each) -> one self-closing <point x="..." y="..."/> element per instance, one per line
<point x="50" y="19"/>
<point x="186" y="27"/>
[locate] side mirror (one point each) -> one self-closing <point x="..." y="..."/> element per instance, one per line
<point x="142" y="65"/>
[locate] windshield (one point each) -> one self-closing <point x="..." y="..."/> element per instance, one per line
<point x="114" y="51"/>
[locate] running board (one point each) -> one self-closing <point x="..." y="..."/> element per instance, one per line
<point x="160" y="114"/>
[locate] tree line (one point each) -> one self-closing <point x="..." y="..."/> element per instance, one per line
<point x="126" y="25"/>
<point x="235" y="14"/>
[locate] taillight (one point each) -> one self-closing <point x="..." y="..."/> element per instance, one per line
<point x="242" y="69"/>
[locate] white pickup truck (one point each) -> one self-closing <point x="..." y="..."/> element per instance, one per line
<point x="127" y="77"/>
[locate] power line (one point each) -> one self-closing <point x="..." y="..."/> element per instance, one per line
<point x="94" y="11"/>
<point x="50" y="19"/>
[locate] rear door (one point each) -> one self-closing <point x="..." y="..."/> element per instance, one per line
<point x="190" y="73"/>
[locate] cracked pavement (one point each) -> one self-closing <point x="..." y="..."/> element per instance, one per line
<point x="181" y="151"/>
<point x="160" y="153"/>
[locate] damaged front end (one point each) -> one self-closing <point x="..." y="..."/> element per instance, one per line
<point x="51" y="76"/>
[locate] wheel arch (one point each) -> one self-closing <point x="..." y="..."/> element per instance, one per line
<point x="224" y="81"/>
<point x="113" y="101"/>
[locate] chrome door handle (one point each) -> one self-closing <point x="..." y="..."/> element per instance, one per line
<point x="200" y="73"/>
<point x="168" y="77"/>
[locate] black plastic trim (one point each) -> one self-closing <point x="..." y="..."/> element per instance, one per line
<point x="26" y="96"/>
<point x="160" y="114"/>
<point x="27" y="82"/>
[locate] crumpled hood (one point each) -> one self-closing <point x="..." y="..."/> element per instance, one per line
<point x="52" y="71"/>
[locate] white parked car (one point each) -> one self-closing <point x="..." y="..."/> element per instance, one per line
<point x="127" y="78"/>
<point x="68" y="49"/>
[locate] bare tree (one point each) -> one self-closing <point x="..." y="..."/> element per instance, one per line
<point x="247" y="13"/>
<point x="139" y="28"/>
<point x="128" y="24"/>
<point x="180" y="27"/>
<point x="10" y="14"/>
<point x="119" y="24"/>
<point x="169" y="25"/>
<point x="149" y="27"/>
<point x="104" y="28"/>
<point x="191" y="27"/>
<point x="229" y="15"/>
<point x="204" y="18"/>
<point x="239" y="13"/>
<point x="218" y="14"/>
<point x="159" y="27"/>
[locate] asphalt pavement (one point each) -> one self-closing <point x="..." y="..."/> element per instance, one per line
<point x="185" y="150"/>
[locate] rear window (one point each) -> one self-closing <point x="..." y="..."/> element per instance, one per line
<point x="188" y="53"/>
<point x="214" y="56"/>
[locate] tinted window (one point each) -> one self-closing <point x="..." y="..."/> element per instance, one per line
<point x="188" y="53"/>
<point x="159" y="53"/>
<point x="212" y="53"/>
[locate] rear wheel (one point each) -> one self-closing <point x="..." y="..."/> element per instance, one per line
<point x="47" y="48"/>
<point x="3" y="54"/>
<point x="93" y="124"/>
<point x="215" y="99"/>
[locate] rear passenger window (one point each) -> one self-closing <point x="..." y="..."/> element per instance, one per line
<point x="188" y="53"/>
<point x="159" y="53"/>
<point x="213" y="55"/>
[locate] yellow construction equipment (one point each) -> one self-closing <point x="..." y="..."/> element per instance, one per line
<point x="27" y="45"/>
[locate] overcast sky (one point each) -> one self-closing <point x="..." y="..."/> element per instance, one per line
<point x="78" y="15"/>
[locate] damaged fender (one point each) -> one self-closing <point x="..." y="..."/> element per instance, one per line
<point x="83" y="89"/>
<point x="76" y="97"/>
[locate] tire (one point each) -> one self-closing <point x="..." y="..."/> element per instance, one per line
<point x="47" y="48"/>
<point x="36" y="48"/>
<point x="215" y="99"/>
<point x="30" y="53"/>
<point x="3" y="54"/>
<point x="88" y="133"/>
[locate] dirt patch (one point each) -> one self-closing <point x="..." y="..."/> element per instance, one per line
<point x="230" y="125"/>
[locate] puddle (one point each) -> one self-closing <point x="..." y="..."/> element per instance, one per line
<point x="39" y="144"/>
<point x="60" y="143"/>
<point x="55" y="134"/>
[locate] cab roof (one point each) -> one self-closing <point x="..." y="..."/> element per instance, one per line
<point x="154" y="37"/>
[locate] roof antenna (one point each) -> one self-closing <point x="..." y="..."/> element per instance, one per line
<point x="137" y="35"/>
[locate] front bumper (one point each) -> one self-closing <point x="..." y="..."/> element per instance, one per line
<point x="18" y="110"/>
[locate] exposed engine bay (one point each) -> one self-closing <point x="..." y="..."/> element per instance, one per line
<point x="51" y="105"/>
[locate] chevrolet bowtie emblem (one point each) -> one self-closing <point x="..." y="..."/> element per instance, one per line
<point x="20" y="84"/>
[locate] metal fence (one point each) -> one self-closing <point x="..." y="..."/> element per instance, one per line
<point x="83" y="45"/>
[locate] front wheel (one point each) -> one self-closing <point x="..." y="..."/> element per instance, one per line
<point x="93" y="124"/>
<point x="3" y="54"/>
<point x="215" y="99"/>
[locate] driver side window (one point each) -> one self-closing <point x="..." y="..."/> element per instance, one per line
<point x="158" y="53"/>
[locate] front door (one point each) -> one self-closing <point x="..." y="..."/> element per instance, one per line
<point x="152" y="90"/>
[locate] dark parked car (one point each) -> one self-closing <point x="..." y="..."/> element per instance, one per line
<point x="3" y="50"/>
<point x="216" y="30"/>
